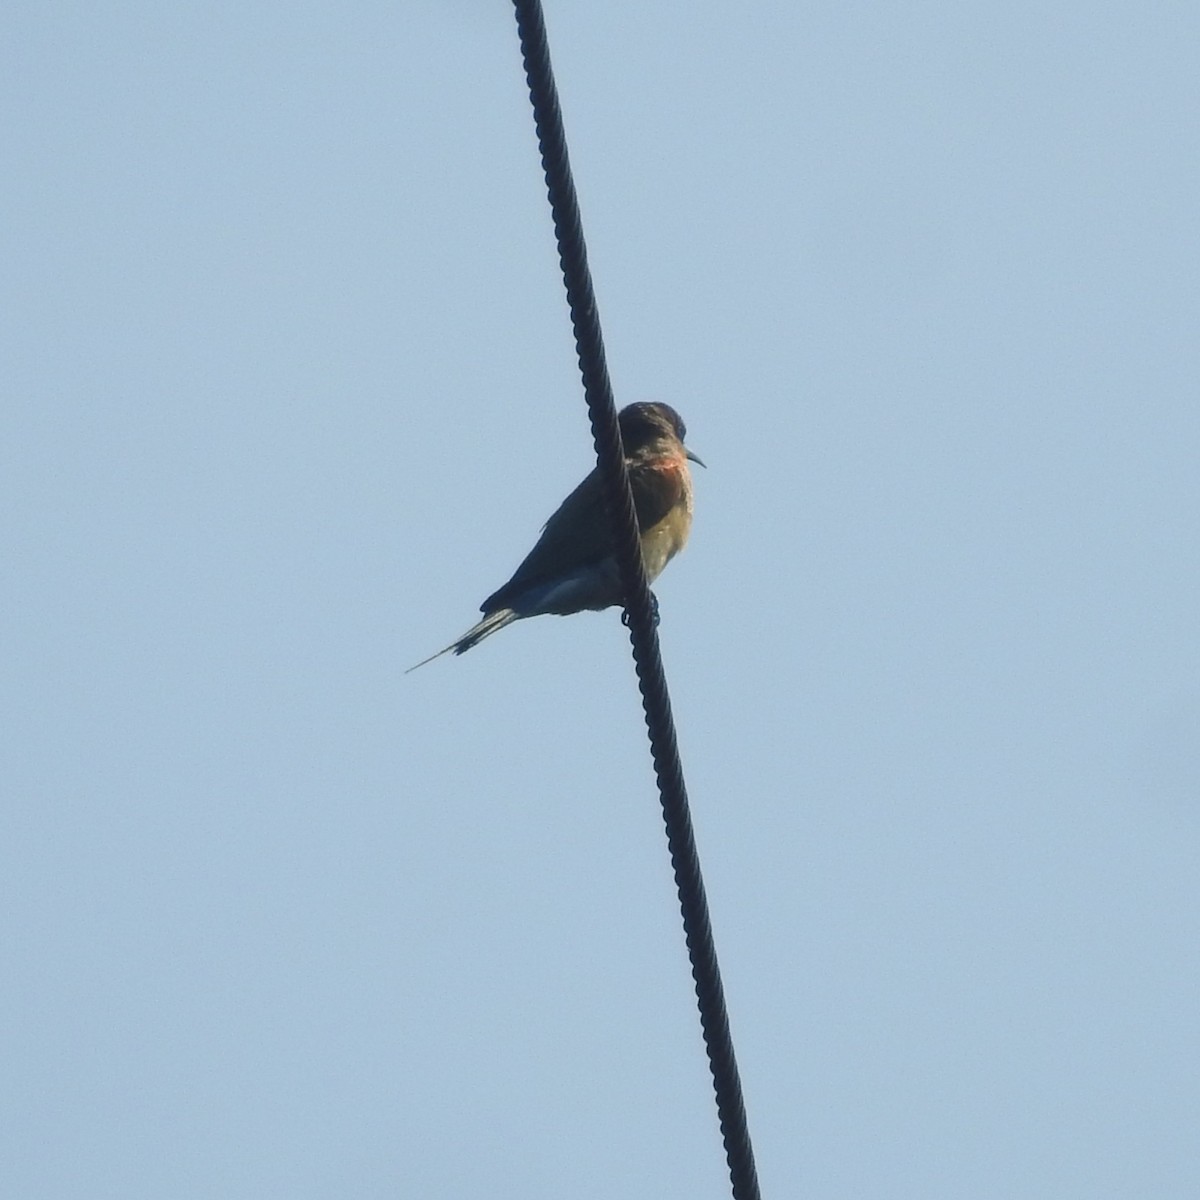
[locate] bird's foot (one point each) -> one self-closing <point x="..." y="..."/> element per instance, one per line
<point x="653" y="612"/>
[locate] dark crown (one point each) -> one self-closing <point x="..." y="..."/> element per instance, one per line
<point x="642" y="423"/>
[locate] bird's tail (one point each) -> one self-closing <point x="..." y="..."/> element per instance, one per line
<point x="474" y="635"/>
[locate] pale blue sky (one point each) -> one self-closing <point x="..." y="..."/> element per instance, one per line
<point x="288" y="388"/>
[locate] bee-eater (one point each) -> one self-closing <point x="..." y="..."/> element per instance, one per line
<point x="572" y="567"/>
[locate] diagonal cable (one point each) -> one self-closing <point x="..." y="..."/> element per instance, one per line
<point x="640" y="610"/>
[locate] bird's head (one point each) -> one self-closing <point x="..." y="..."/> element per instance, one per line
<point x="654" y="429"/>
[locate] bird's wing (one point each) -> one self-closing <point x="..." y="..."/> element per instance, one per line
<point x="578" y="534"/>
<point x="575" y="536"/>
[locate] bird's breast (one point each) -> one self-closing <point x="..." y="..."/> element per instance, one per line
<point x="667" y="536"/>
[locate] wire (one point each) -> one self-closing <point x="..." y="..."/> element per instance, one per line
<point x="640" y="609"/>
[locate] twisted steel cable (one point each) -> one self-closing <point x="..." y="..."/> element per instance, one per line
<point x="640" y="609"/>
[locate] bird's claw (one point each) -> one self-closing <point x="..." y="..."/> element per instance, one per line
<point x="653" y="612"/>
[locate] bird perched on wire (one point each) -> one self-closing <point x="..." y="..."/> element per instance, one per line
<point x="572" y="566"/>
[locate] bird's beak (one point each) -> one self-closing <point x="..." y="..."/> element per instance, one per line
<point x="695" y="458"/>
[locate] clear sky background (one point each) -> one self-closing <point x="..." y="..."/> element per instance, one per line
<point x="289" y="387"/>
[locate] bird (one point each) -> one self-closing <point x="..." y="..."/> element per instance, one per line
<point x="572" y="568"/>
